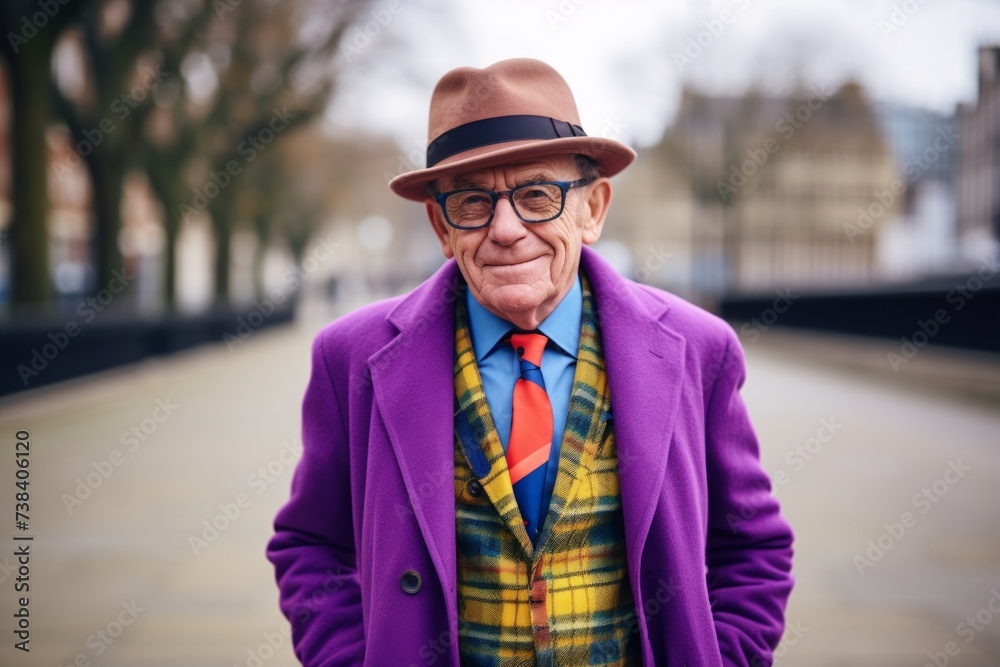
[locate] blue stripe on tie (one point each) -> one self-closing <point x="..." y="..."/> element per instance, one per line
<point x="528" y="493"/>
<point x="532" y="373"/>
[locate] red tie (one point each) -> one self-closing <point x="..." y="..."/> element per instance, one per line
<point x="530" y="431"/>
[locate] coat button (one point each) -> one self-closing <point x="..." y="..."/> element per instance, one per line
<point x="475" y="488"/>
<point x="410" y="582"/>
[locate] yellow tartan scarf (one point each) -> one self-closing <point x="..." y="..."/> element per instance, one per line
<point x="567" y="601"/>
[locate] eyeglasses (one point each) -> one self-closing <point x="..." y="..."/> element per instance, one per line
<point x="532" y="202"/>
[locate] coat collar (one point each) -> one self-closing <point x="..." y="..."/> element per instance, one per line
<point x="413" y="383"/>
<point x="645" y="365"/>
<point x="413" y="386"/>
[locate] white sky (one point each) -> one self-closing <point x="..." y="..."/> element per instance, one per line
<point x="619" y="56"/>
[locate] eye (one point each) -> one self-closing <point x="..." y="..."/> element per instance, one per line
<point x="475" y="200"/>
<point x="468" y="207"/>
<point x="534" y="193"/>
<point x="538" y="201"/>
<point x="539" y="192"/>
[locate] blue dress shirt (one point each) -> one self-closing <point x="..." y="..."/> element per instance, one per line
<point x="499" y="368"/>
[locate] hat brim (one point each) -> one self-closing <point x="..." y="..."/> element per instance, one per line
<point x="612" y="156"/>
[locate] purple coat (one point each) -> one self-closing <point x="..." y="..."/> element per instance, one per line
<point x="709" y="555"/>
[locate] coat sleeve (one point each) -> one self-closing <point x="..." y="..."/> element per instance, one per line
<point x="749" y="545"/>
<point x="313" y="548"/>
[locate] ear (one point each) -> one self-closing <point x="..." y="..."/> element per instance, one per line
<point x="441" y="228"/>
<point x="595" y="210"/>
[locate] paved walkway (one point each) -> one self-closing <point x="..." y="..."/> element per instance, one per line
<point x="119" y="577"/>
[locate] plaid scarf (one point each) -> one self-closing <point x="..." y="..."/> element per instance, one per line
<point x="566" y="601"/>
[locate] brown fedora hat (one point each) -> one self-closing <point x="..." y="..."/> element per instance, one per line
<point x="510" y="111"/>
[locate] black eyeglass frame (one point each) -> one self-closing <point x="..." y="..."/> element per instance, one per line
<point x="564" y="187"/>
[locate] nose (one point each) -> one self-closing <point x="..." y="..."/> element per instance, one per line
<point x="506" y="227"/>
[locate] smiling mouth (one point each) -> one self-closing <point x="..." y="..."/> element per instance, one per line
<point x="513" y="263"/>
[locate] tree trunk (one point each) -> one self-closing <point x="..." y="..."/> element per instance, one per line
<point x="171" y="228"/>
<point x="31" y="110"/>
<point x="164" y="179"/>
<point x="262" y="224"/>
<point x="225" y="215"/>
<point x="108" y="184"/>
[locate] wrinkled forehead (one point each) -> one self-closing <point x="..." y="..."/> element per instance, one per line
<point x="550" y="167"/>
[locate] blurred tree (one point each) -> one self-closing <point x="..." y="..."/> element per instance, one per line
<point x="253" y="71"/>
<point x="279" y="208"/>
<point x="190" y="91"/>
<point x="30" y="30"/>
<point x="106" y="110"/>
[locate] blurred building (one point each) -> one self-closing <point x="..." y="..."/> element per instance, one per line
<point x="758" y="193"/>
<point x="653" y="216"/>
<point x="926" y="146"/>
<point x="978" y="183"/>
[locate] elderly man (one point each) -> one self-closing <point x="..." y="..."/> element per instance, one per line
<point x="528" y="459"/>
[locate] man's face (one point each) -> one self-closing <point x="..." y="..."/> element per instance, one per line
<point x="521" y="271"/>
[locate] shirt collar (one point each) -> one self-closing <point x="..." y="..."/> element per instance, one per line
<point x="562" y="326"/>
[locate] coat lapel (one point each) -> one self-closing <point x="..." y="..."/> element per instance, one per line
<point x="645" y="366"/>
<point x="413" y="385"/>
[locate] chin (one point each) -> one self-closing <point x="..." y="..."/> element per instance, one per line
<point x="515" y="299"/>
